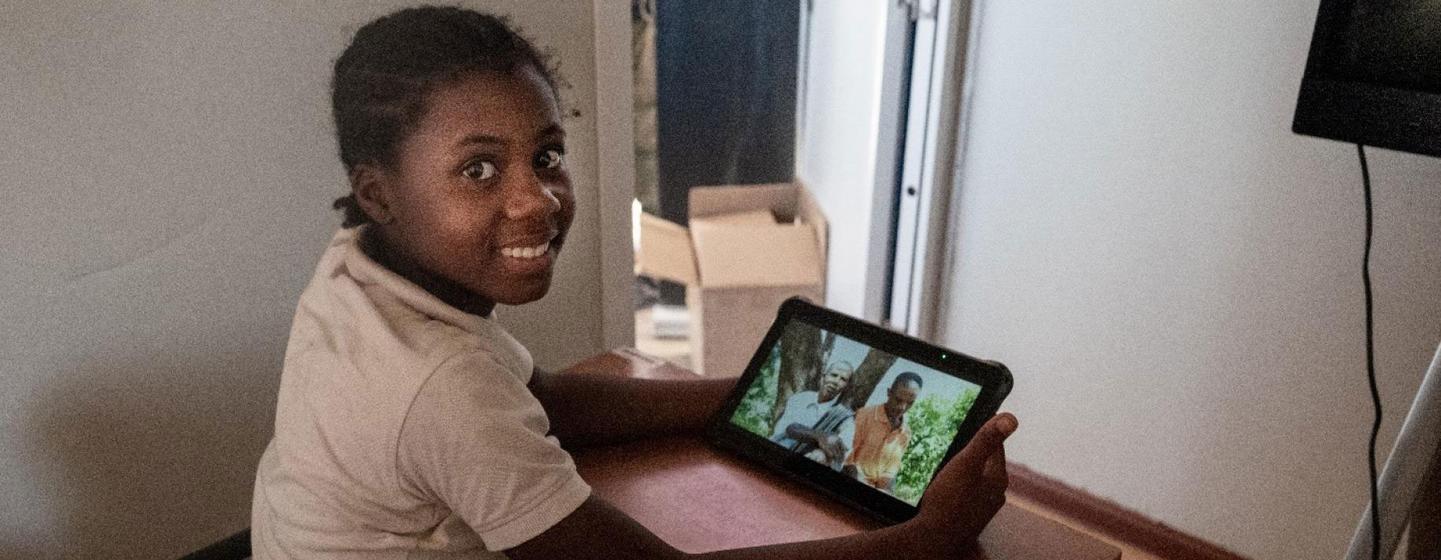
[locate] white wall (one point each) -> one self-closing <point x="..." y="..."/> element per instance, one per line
<point x="1173" y="276"/>
<point x="847" y="141"/>
<point x="167" y="174"/>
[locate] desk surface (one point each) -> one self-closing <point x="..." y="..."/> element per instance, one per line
<point x="699" y="499"/>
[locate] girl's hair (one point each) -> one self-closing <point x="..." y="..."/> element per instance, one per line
<point x="383" y="79"/>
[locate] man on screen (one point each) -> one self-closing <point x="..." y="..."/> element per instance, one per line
<point x="881" y="435"/>
<point x="812" y="420"/>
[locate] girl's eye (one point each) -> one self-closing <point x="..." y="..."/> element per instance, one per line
<point x="550" y="159"/>
<point x="479" y="171"/>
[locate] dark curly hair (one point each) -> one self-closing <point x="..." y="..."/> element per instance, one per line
<point x="909" y="377"/>
<point x="384" y="78"/>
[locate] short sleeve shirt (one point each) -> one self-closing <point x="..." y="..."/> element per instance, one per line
<point x="877" y="447"/>
<point x="404" y="428"/>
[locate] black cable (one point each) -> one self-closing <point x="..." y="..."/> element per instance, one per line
<point x="1371" y="360"/>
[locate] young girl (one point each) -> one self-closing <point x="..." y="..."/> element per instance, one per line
<point x="409" y="423"/>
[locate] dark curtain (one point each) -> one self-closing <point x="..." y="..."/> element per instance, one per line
<point x="726" y="92"/>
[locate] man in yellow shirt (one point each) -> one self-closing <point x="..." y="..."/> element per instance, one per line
<point x="881" y="435"/>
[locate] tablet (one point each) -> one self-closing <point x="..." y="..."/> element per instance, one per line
<point x="862" y="413"/>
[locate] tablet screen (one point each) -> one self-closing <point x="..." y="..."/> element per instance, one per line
<point x="860" y="411"/>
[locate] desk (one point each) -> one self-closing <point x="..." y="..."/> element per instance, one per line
<point x="699" y="499"/>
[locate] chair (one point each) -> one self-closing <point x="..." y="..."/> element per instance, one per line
<point x="234" y="547"/>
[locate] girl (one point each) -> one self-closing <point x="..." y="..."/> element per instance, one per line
<point x="409" y="424"/>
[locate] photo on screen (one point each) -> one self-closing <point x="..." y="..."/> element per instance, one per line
<point x="861" y="411"/>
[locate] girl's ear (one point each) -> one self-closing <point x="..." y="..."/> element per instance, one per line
<point x="372" y="192"/>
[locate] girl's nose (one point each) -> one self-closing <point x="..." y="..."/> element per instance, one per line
<point x="529" y="197"/>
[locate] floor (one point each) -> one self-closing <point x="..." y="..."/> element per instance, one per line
<point x="671" y="349"/>
<point x="677" y="351"/>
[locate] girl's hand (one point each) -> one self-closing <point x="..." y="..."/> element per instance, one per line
<point x="966" y="493"/>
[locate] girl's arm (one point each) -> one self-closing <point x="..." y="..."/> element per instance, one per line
<point x="591" y="409"/>
<point x="962" y="499"/>
<point x="597" y="530"/>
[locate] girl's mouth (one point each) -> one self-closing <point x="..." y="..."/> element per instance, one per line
<point x="526" y="252"/>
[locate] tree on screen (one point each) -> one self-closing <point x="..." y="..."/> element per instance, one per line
<point x="754" y="411"/>
<point x="804" y="351"/>
<point x="873" y="367"/>
<point x="934" y="422"/>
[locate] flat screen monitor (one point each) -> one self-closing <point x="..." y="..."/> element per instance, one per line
<point x="1373" y="76"/>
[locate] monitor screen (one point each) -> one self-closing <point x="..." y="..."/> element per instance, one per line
<point x="1390" y="43"/>
<point x="1373" y="76"/>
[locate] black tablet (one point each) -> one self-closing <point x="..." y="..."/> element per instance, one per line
<point x="865" y="414"/>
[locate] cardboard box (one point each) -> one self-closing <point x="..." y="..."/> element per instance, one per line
<point x="748" y="248"/>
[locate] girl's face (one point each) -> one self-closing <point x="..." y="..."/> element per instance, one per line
<point x="478" y="202"/>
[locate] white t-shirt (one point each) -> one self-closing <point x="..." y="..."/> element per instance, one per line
<point x="805" y="408"/>
<point x="403" y="428"/>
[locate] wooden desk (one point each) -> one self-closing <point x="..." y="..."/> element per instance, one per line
<point x="699" y="499"/>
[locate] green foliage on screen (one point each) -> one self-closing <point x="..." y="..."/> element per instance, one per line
<point x="934" y="422"/>
<point x="754" y="412"/>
